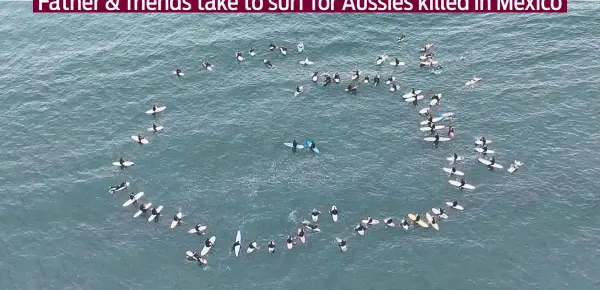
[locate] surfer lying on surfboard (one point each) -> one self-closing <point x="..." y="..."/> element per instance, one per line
<point x="113" y="189"/>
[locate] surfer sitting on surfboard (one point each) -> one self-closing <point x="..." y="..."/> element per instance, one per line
<point x="235" y="244"/>
<point x="122" y="161"/>
<point x="132" y="197"/>
<point x="450" y="131"/>
<point x="462" y="183"/>
<point x="492" y="161"/>
<point x="155" y="213"/>
<point x="312" y="146"/>
<point x="178" y="72"/>
<point x="351" y="89"/>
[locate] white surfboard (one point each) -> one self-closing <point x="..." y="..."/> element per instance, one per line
<point x="433" y="102"/>
<point x="419" y="97"/>
<point x="135" y="138"/>
<point x="410" y="94"/>
<point x="437" y="127"/>
<point x="480" y="150"/>
<point x="457" y="207"/>
<point x="158" y="110"/>
<point x="360" y="232"/>
<point x="424" y="111"/>
<point x="437" y="212"/>
<point x="158" y="129"/>
<point x="300" y="47"/>
<point x="381" y="59"/>
<point x="515" y="166"/>
<point x="238" y="238"/>
<point x="479" y="142"/>
<point x="334" y="216"/>
<point x="457" y="172"/>
<point x="135" y="198"/>
<point x="392" y="89"/>
<point x="373" y="222"/>
<point x="393" y="63"/>
<point x="139" y="212"/>
<point x="472" y="81"/>
<point x="250" y="250"/>
<point x="451" y="159"/>
<point x="405" y="226"/>
<point x="181" y="73"/>
<point x="175" y="223"/>
<point x="290" y="244"/>
<point x="194" y="231"/>
<point x="125" y="164"/>
<point x="432" y="139"/>
<point x="190" y="256"/>
<point x="354" y="76"/>
<point x="240" y="58"/>
<point x="430" y="219"/>
<point x="306" y="62"/>
<point x="302" y="238"/>
<point x="457" y="184"/>
<point x="447" y="115"/>
<point x="487" y="162"/>
<point x="206" y="249"/>
<point x="391" y="225"/>
<point x="152" y="217"/>
<point x="113" y="190"/>
<point x="389" y="82"/>
<point x="433" y="120"/>
<point x="429" y="63"/>
<point x="315" y="78"/>
<point x="291" y="145"/>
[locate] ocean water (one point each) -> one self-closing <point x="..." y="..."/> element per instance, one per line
<point x="75" y="87"/>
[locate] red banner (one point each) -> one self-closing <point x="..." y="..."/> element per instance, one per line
<point x="299" y="6"/>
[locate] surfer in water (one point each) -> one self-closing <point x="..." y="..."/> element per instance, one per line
<point x="206" y="65"/>
<point x="252" y="246"/>
<point x="393" y="88"/>
<point x="417" y="218"/>
<point x="283" y="50"/>
<point x="156" y="213"/>
<point x="115" y="188"/>
<point x="366" y="80"/>
<point x="313" y="145"/>
<point x="405" y="223"/>
<point x="122" y="162"/>
<point x="401" y="38"/>
<point x="454" y="158"/>
<point x="251" y="51"/>
<point x="454" y="203"/>
<point x="140" y="138"/>
<point x="369" y="220"/>
<point x="379" y="59"/>
<point x="315" y="213"/>
<point x="207" y="243"/>
<point x="272" y="47"/>
<point x="483" y="141"/>
<point x="197" y="257"/>
<point x="351" y="89"/>
<point x="436" y="97"/>
<point x="336" y="78"/>
<point x="144" y="208"/>
<point x="484" y="149"/>
<point x="342" y="243"/>
<point x="289" y="240"/>
<point x="178" y="72"/>
<point x="300" y="233"/>
<point x="238" y="56"/>
<point x="154" y="127"/>
<point x="462" y="183"/>
<point x="389" y="80"/>
<point x="327" y="80"/>
<point x="132" y="197"/>
<point x="267" y="63"/>
<point x="415" y="102"/>
<point x="177" y="219"/>
<point x="334" y="212"/>
<point x="433" y="221"/>
<point x="429" y="121"/>
<point x="492" y="162"/>
<point x="236" y="244"/>
<point x="271" y="247"/>
<point x="453" y="170"/>
<point x="315" y="77"/>
<point x="436" y="141"/>
<point x="314" y="227"/>
<point x="389" y="222"/>
<point x="360" y="228"/>
<point x="294" y="144"/>
<point x="356" y="74"/>
<point x="432" y="126"/>
<point x="376" y="80"/>
<point x="450" y="131"/>
<point x="298" y="89"/>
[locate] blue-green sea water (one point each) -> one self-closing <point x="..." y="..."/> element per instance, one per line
<point x="74" y="88"/>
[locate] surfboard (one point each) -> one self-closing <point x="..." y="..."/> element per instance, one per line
<point x="430" y="219"/>
<point x="381" y="59"/>
<point x="447" y="115"/>
<point x="240" y="58"/>
<point x="296" y="93"/>
<point x="125" y="164"/>
<point x="175" y="223"/>
<point x="457" y="172"/>
<point x="419" y="97"/>
<point x="158" y="110"/>
<point x="250" y="250"/>
<point x="410" y="94"/>
<point x="433" y="120"/>
<point x="190" y="255"/>
<point x="135" y="138"/>
<point x="392" y="89"/>
<point x="432" y="139"/>
<point x="479" y="142"/>
<point x="389" y="82"/>
<point x="413" y="217"/>
<point x="373" y="222"/>
<point x="194" y="231"/>
<point x="238" y="238"/>
<point x="360" y="232"/>
<point x="300" y="47"/>
<point x="139" y="212"/>
<point x="291" y="145"/>
<point x="283" y="50"/>
<point x="181" y="73"/>
<point x="315" y="78"/>
<point x="393" y="63"/>
<point x="515" y="166"/>
<point x="206" y="249"/>
<point x="209" y="68"/>
<point x="437" y="212"/>
<point x="472" y="81"/>
<point x="457" y="207"/>
<point x="451" y="158"/>
<point x="302" y="238"/>
<point x="334" y="216"/>
<point x="307" y="225"/>
<point x="152" y="217"/>
<point x="354" y="76"/>
<point x="480" y="150"/>
<point x="437" y="127"/>
<point x="315" y="218"/>
<point x="158" y="129"/>
<point x="424" y="111"/>
<point x="391" y="225"/>
<point x="271" y="248"/>
<point x="487" y="162"/>
<point x="457" y="184"/>
<point x="290" y="244"/>
<point x="342" y="248"/>
<point x="307" y="145"/>
<point x="306" y="62"/>
<point x="112" y="190"/>
<point x="136" y="197"/>
<point x="434" y="102"/>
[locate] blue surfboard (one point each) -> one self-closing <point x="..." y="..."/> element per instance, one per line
<point x="308" y="143"/>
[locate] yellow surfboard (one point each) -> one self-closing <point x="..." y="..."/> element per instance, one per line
<point x="413" y="217"/>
